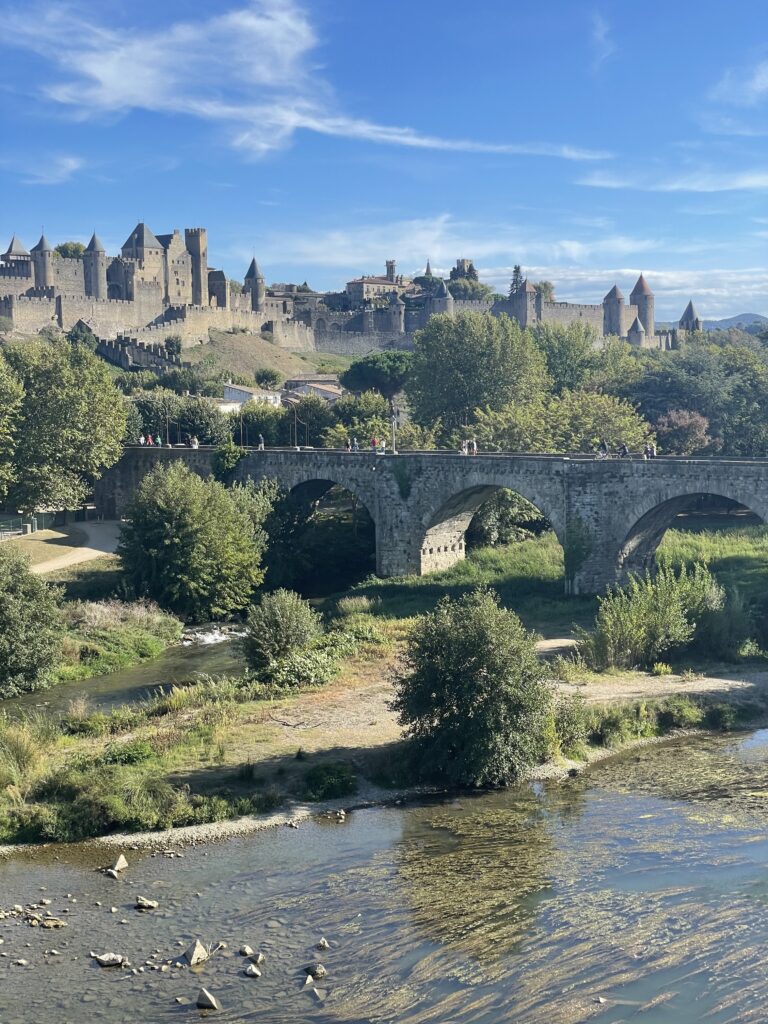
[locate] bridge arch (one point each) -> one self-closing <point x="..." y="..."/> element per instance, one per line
<point x="649" y="521"/>
<point x="445" y="525"/>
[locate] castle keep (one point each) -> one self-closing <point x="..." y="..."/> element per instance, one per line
<point x="162" y="284"/>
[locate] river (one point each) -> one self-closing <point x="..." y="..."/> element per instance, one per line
<point x="642" y="883"/>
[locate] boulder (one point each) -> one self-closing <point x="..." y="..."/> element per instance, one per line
<point x="206" y="1001"/>
<point x="323" y="944"/>
<point x="120" y="864"/>
<point x="252" y="971"/>
<point x="197" y="953"/>
<point x="109" y="959"/>
<point x="246" y="951"/>
<point x="257" y="958"/>
<point x="142" y="903"/>
<point x="316" y="971"/>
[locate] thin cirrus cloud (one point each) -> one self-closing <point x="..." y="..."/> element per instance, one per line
<point x="694" y="181"/>
<point x="48" y="170"/>
<point x="603" y="45"/>
<point x="743" y="87"/>
<point x="258" y="57"/>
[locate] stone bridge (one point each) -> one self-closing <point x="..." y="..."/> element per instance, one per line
<point x="609" y="516"/>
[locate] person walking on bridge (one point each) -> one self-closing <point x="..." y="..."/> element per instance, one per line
<point x="261" y="442"/>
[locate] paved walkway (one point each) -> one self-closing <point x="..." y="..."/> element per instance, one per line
<point x="101" y="539"/>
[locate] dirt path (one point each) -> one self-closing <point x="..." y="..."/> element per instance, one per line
<point x="100" y="539"/>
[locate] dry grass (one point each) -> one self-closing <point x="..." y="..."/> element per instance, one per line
<point x="47" y="544"/>
<point x="246" y="353"/>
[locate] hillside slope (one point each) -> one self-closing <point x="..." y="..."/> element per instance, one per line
<point x="246" y="353"/>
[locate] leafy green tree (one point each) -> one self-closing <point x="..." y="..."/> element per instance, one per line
<point x="134" y="426"/>
<point x="72" y="424"/>
<point x="160" y="411"/>
<point x="615" y="369"/>
<point x="308" y="419"/>
<point x="282" y="623"/>
<point x="81" y="334"/>
<point x="11" y="395"/>
<point x="472" y="695"/>
<point x="173" y="344"/>
<point x="570" y="352"/>
<point x="31" y="627"/>
<point x="200" y="417"/>
<point x="469" y="290"/>
<point x="412" y="437"/>
<point x="385" y="372"/>
<point x="266" y="377"/>
<point x="471" y="361"/>
<point x="545" y="289"/>
<point x="572" y="422"/>
<point x="364" y="417"/>
<point x="503" y="519"/>
<point x="261" y="418"/>
<point x="70" y="250"/>
<point x="192" y="546"/>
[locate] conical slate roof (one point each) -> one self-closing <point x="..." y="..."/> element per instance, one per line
<point x="527" y="286"/>
<point x="43" y="245"/>
<point x="689" y="315"/>
<point x="637" y="327"/>
<point x="614" y="293"/>
<point x="95" y="244"/>
<point x="16" y="248"/>
<point x="641" y="288"/>
<point x="253" y="273"/>
<point x="141" y="238"/>
<point x="428" y="271"/>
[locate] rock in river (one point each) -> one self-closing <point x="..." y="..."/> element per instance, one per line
<point x="109" y="959"/>
<point x="206" y="1001"/>
<point x="197" y="953"/>
<point x="142" y="903"/>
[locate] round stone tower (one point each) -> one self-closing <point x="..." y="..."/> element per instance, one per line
<point x="42" y="261"/>
<point x="642" y="297"/>
<point x="95" y="266"/>
<point x="613" y="313"/>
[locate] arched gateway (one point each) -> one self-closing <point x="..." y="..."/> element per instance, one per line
<point x="608" y="516"/>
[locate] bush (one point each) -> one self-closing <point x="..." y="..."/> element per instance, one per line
<point x="31" y="629"/>
<point x="133" y="752"/>
<point x="301" y="669"/>
<point x="281" y="624"/>
<point x="193" y="546"/>
<point x="679" y="712"/>
<point x="472" y="695"/>
<point x="651" y="616"/>
<point x="720" y="716"/>
<point x="661" y="668"/>
<point x="571" y="724"/>
<point x="329" y="781"/>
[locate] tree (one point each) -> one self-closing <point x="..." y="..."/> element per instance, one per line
<point x="385" y="372"/>
<point x="31" y="627"/>
<point x="517" y="280"/>
<point x="266" y="377"/>
<point x="191" y="545"/>
<point x="471" y="361"/>
<point x="200" y="417"/>
<point x="310" y="417"/>
<point x="70" y="250"/>
<point x="545" y="289"/>
<point x="469" y="289"/>
<point x="72" y="424"/>
<point x="81" y="334"/>
<point x="682" y="432"/>
<point x="173" y="345"/>
<point x="472" y="695"/>
<point x="570" y="352"/>
<point x="11" y="395"/>
<point x="160" y="410"/>
<point x="261" y="418"/>
<point x="503" y="519"/>
<point x="572" y="422"/>
<point x="410" y="436"/>
<point x="281" y="623"/>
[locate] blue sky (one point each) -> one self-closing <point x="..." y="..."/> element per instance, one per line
<point x="324" y="136"/>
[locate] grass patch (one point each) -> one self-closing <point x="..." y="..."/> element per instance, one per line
<point x="96" y="580"/>
<point x="738" y="557"/>
<point x="47" y="544"/>
<point x="103" y="637"/>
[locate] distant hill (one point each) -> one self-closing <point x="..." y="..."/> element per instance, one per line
<point x="742" y="320"/>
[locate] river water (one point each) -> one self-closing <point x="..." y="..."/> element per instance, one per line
<point x="643" y="883"/>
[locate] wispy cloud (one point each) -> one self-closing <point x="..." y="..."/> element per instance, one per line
<point x="743" y="87"/>
<point x="47" y="170"/>
<point x="693" y="181"/>
<point x="603" y="45"/>
<point x="249" y="69"/>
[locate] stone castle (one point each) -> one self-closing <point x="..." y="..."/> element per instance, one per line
<point x="162" y="284"/>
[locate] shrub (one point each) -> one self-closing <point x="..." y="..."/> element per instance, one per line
<point x="720" y="716"/>
<point x="31" y="629"/>
<point x="301" y="669"/>
<point x="661" y="668"/>
<point x="571" y="724"/>
<point x="328" y="781"/>
<point x="679" y="712"/>
<point x="133" y="752"/>
<point x="472" y="695"/>
<point x="281" y="624"/>
<point x="651" y="616"/>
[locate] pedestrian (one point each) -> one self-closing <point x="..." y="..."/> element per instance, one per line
<point x="653" y="449"/>
<point x="374" y="444"/>
<point x="142" y="440"/>
<point x="348" y="445"/>
<point x="150" y="442"/>
<point x="382" y="447"/>
<point x="623" y="451"/>
<point x="474" y="446"/>
<point x="464" y="447"/>
<point x="355" y="445"/>
<point x="647" y="451"/>
<point x="261" y="442"/>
